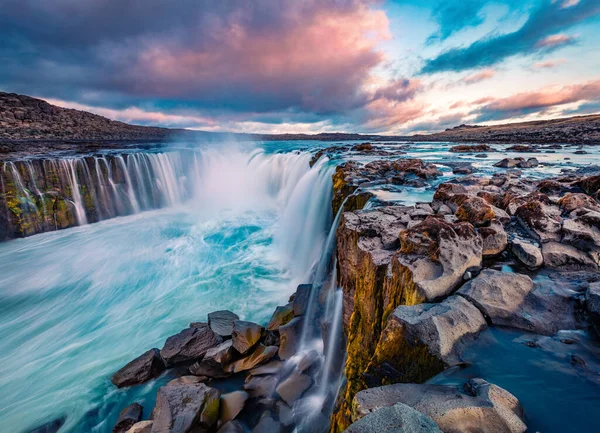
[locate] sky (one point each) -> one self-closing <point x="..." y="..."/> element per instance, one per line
<point x="306" y="66"/>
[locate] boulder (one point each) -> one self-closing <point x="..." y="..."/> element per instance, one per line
<point x="290" y="338"/>
<point x="301" y="298"/>
<point x="576" y="201"/>
<point x="192" y="408"/>
<point x="260" y="355"/>
<point x="281" y="316"/>
<point x="468" y="148"/>
<point x="141" y="427"/>
<point x="494" y="238"/>
<point x="189" y="345"/>
<point x="232" y="427"/>
<point x="140" y="370"/>
<point x="542" y="221"/>
<point x="513" y="300"/>
<point x="476" y="211"/>
<point x="419" y="341"/>
<point x="478" y="406"/>
<point x="128" y="417"/>
<point x="245" y="335"/>
<point x="397" y="418"/>
<point x="566" y="257"/>
<point x="214" y="361"/>
<point x="592" y="304"/>
<point x="272" y="367"/>
<point x="185" y="380"/>
<point x="221" y="322"/>
<point x="268" y="425"/>
<point x="231" y="405"/>
<point x="527" y="253"/>
<point x="261" y="386"/>
<point x="292" y="388"/>
<point x="583" y="232"/>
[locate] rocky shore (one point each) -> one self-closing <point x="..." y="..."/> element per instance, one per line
<point x="420" y="284"/>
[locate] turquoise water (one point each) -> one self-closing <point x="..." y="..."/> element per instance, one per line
<point x="78" y="304"/>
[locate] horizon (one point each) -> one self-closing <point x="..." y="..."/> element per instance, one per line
<point x="359" y="66"/>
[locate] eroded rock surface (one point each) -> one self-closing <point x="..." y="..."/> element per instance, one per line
<point x="140" y="370"/>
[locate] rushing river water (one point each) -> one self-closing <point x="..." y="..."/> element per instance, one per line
<point x="239" y="228"/>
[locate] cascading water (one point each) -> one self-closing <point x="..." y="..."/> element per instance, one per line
<point x="237" y="230"/>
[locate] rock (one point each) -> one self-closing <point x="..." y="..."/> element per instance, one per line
<point x="141" y="427"/>
<point x="462" y="170"/>
<point x="575" y="201"/>
<point x="466" y="148"/>
<point x="232" y="427"/>
<point x="128" y="417"/>
<point x="397" y="418"/>
<point x="185" y="380"/>
<point x="419" y="341"/>
<point x="231" y="405"/>
<point x="261" y="386"/>
<point x="214" y="361"/>
<point x="245" y="335"/>
<point x="494" y="238"/>
<point x="290" y="338"/>
<point x="221" y="322"/>
<point x="140" y="370"/>
<point x="583" y="232"/>
<point x="592" y="304"/>
<point x="192" y="408"/>
<point x="543" y="222"/>
<point x="272" y="367"/>
<point x="292" y="388"/>
<point x="260" y="355"/>
<point x="189" y="345"/>
<point x="307" y="360"/>
<point x="476" y="211"/>
<point x="301" y="299"/>
<point x="513" y="300"/>
<point x="363" y="147"/>
<point x="281" y="316"/>
<point x="435" y="255"/>
<point x="566" y="257"/>
<point x="478" y="406"/>
<point x="268" y="425"/>
<point x="528" y="254"/>
<point x="521" y="148"/>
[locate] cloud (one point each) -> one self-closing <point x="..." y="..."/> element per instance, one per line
<point x="549" y="64"/>
<point x="537" y="101"/>
<point x="455" y="16"/>
<point x="477" y="77"/>
<point x="538" y="34"/>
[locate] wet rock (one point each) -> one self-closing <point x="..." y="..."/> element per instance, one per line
<point x="494" y="239"/>
<point x="231" y="405"/>
<point x="517" y="163"/>
<point x="307" y="360"/>
<point x="542" y="221"/>
<point x="289" y="335"/>
<point x="232" y="427"/>
<point x="268" y="425"/>
<point x="576" y="201"/>
<point x="192" y="408"/>
<point x="261" y="386"/>
<point x="513" y="300"/>
<point x="221" y="322"/>
<point x="272" y="367"/>
<point x="141" y="427"/>
<point x="281" y="316"/>
<point x="128" y="417"/>
<point x="477" y="406"/>
<point x="396" y="418"/>
<point x="592" y="304"/>
<point x="419" y="341"/>
<point x="245" y="335"/>
<point x="186" y="380"/>
<point x="583" y="232"/>
<point x="468" y="148"/>
<point x="363" y="147"/>
<point x="521" y="148"/>
<point x="566" y="257"/>
<point x="462" y="170"/>
<point x="301" y="298"/>
<point x="140" y="370"/>
<point x="476" y="211"/>
<point x="531" y="162"/>
<point x="527" y="253"/>
<point x="590" y="184"/>
<point x="260" y="355"/>
<point x="292" y="388"/>
<point x="189" y="345"/>
<point x="214" y="361"/>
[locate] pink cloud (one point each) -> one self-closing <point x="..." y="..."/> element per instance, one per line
<point x="555" y="41"/>
<point x="548" y="64"/>
<point x="477" y="77"/>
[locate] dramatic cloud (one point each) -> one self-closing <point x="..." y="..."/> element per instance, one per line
<point x="538" y="34"/>
<point x="538" y="101"/>
<point x="479" y="76"/>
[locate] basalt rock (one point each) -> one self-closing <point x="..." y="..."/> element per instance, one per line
<point x="542" y="221"/>
<point x="245" y="335"/>
<point x="192" y="408"/>
<point x="466" y="148"/>
<point x="292" y="388"/>
<point x="290" y="338"/>
<point x="232" y="427"/>
<point x="575" y="201"/>
<point x="301" y="298"/>
<point x="566" y="257"/>
<point x="141" y="427"/>
<point x="527" y="253"/>
<point x="494" y="238"/>
<point x="128" y="417"/>
<point x="261" y="386"/>
<point x="478" y="406"/>
<point x="140" y="370"/>
<point x="476" y="211"/>
<point x="189" y="345"/>
<point x="214" y="361"/>
<point x="221" y="322"/>
<point x="281" y="316"/>
<point x="231" y="405"/>
<point x="259" y="356"/>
